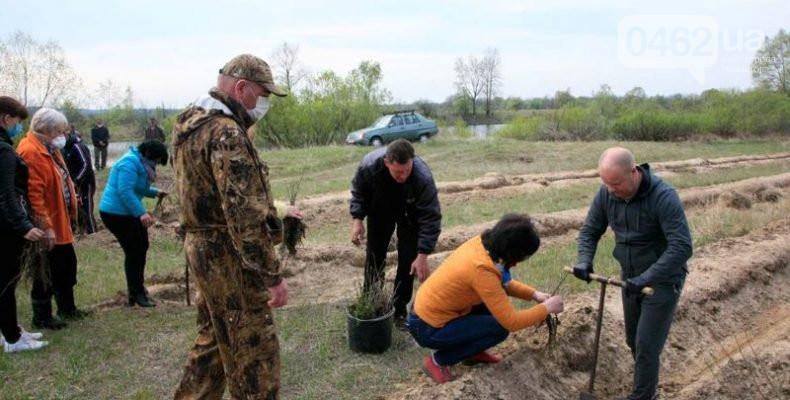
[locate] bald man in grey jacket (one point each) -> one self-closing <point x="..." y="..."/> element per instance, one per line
<point x="652" y="245"/>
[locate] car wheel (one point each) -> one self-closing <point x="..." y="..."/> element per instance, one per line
<point x="423" y="138"/>
<point x="376" y="142"/>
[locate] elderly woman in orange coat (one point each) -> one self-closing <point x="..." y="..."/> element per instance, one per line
<point x="54" y="204"/>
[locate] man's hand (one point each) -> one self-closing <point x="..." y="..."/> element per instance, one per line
<point x="147" y="219"/>
<point x="279" y="295"/>
<point x="540" y="297"/>
<point x="49" y="237"/>
<point x="420" y="267"/>
<point x="34" y="234"/>
<point x="633" y="289"/>
<point x="161" y="194"/>
<point x="294" y="212"/>
<point x="357" y="232"/>
<point x="554" y="304"/>
<point x="583" y="271"/>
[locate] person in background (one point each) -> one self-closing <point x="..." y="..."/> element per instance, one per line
<point x="463" y="309"/>
<point x="100" y="136"/>
<point x="154" y="131"/>
<point x="16" y="228"/>
<point x="123" y="213"/>
<point x="54" y="204"/>
<point x="78" y="160"/>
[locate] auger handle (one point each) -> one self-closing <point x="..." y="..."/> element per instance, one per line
<point x="647" y="291"/>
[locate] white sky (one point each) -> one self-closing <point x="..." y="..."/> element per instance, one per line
<point x="169" y="51"/>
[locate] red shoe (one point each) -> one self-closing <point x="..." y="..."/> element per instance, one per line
<point x="485" y="358"/>
<point x="439" y="373"/>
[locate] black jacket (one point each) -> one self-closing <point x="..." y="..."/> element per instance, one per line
<point x="420" y="199"/>
<point x="652" y="238"/>
<point x="100" y="134"/>
<point x="14" y="207"/>
<point x="78" y="160"/>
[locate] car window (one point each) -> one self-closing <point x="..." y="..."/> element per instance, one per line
<point x="410" y="119"/>
<point x="382" y="121"/>
<point x="396" y="121"/>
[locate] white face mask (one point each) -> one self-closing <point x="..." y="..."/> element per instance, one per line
<point x="59" y="142"/>
<point x="261" y="108"/>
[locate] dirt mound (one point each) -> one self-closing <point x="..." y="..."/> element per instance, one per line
<point x="735" y="200"/>
<point x="768" y="195"/>
<point x="331" y="208"/>
<point x="729" y="341"/>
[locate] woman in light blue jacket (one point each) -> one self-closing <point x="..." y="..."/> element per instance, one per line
<point x="123" y="213"/>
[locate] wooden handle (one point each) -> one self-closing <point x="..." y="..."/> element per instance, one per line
<point x="647" y="291"/>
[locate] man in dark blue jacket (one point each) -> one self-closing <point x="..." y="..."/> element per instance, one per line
<point x="652" y="245"/>
<point x="78" y="160"/>
<point x="393" y="187"/>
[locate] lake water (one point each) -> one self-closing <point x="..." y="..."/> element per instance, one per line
<point x="480" y="131"/>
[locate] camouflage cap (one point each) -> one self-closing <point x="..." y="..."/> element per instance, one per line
<point x="251" y="68"/>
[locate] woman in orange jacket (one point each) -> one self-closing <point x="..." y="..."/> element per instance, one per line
<point x="54" y="204"/>
<point x="463" y="308"/>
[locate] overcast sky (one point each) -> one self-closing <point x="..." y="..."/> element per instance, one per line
<point x="169" y="51"/>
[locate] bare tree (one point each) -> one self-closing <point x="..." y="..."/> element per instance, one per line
<point x="492" y="77"/>
<point x="36" y="72"/>
<point x="109" y="94"/>
<point x="771" y="65"/>
<point x="470" y="79"/>
<point x="289" y="69"/>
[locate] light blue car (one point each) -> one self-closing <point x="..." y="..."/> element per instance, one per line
<point x="403" y="124"/>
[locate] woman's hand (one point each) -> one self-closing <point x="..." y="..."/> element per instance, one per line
<point x="35" y="234"/>
<point x="554" y="304"/>
<point x="147" y="219"/>
<point x="540" y="297"/>
<point x="49" y="236"/>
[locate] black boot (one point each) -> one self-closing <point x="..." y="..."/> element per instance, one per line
<point x="141" y="300"/>
<point x="66" y="307"/>
<point x="42" y="316"/>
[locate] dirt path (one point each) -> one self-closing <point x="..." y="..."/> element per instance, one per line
<point x="332" y="207"/>
<point x="729" y="341"/>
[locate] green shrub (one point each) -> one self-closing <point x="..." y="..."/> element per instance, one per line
<point x="523" y="128"/>
<point x="655" y="125"/>
<point x="462" y="130"/>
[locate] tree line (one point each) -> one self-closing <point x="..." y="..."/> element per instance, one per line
<point x="324" y="106"/>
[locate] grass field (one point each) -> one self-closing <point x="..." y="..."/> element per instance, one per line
<point x="124" y="353"/>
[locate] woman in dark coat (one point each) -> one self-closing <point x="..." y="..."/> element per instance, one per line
<point x="16" y="227"/>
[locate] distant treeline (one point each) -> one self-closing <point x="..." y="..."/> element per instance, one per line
<point x="634" y="116"/>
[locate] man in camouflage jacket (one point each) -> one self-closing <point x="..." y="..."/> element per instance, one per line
<point x="228" y="215"/>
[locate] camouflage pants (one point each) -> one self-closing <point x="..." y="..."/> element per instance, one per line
<point x="236" y="343"/>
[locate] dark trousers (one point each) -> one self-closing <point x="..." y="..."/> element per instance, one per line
<point x="133" y="238"/>
<point x="86" y="220"/>
<point x="11" y="246"/>
<point x="461" y="338"/>
<point x="380" y="229"/>
<point x="62" y="263"/>
<point x="100" y="157"/>
<point x="647" y="323"/>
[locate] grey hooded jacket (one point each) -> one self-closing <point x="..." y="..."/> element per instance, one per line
<point x="652" y="238"/>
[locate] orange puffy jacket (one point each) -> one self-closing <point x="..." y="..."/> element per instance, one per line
<point x="45" y="189"/>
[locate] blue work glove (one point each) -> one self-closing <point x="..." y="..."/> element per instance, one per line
<point x="632" y="288"/>
<point x="583" y="271"/>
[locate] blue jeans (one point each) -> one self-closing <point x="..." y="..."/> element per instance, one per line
<point x="461" y="338"/>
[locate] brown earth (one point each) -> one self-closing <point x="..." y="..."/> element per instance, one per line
<point x="730" y="339"/>
<point x="332" y="208"/>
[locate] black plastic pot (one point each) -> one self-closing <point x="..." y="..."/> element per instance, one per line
<point x="370" y="335"/>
